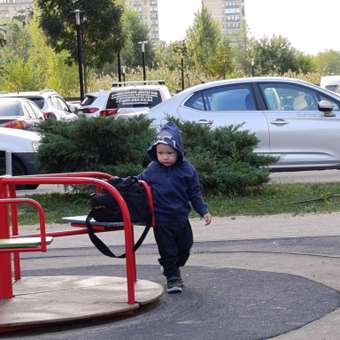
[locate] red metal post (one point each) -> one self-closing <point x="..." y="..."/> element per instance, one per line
<point x="15" y="231"/>
<point x="6" y="290"/>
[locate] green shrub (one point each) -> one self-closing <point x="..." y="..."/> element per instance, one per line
<point x="116" y="146"/>
<point x="224" y="157"/>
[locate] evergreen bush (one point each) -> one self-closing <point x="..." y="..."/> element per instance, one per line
<point x="116" y="146"/>
<point x="224" y="157"/>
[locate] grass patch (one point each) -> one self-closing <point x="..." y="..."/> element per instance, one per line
<point x="273" y="199"/>
<point x="280" y="198"/>
<point x="55" y="207"/>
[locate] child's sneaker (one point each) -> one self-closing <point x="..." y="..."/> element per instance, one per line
<point x="180" y="282"/>
<point x="174" y="285"/>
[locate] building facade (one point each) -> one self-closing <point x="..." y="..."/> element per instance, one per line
<point x="11" y="8"/>
<point x="230" y="16"/>
<point x="148" y="10"/>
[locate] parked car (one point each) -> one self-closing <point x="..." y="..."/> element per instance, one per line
<point x="331" y="83"/>
<point x="24" y="146"/>
<point x="20" y="113"/>
<point x="124" y="100"/>
<point x="294" y="120"/>
<point x="51" y="103"/>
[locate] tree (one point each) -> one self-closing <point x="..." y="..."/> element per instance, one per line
<point x="305" y="63"/>
<point x="242" y="51"/>
<point x="202" y="40"/>
<point x="27" y="63"/>
<point x="101" y="28"/>
<point x="328" y="62"/>
<point x="222" y="63"/>
<point x="135" y="30"/>
<point x="274" y="55"/>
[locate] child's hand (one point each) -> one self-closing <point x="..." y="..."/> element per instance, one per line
<point x="207" y="219"/>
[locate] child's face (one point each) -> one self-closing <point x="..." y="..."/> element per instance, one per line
<point x="166" y="155"/>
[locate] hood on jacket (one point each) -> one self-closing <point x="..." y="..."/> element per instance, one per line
<point x="170" y="135"/>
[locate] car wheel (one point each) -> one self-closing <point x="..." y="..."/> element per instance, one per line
<point x="19" y="170"/>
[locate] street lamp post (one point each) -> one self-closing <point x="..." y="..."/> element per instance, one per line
<point x="77" y="13"/>
<point x="142" y="45"/>
<point x="183" y="54"/>
<point x="119" y="68"/>
<point x="182" y="71"/>
<point x="252" y="67"/>
<point x="182" y="51"/>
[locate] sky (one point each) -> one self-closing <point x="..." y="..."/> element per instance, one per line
<point x="311" y="26"/>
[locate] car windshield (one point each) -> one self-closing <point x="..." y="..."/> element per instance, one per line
<point x="10" y="109"/>
<point x="134" y="98"/>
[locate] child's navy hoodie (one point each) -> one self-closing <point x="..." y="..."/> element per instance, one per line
<point x="175" y="186"/>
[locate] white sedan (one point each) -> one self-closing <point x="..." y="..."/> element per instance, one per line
<point x="294" y="120"/>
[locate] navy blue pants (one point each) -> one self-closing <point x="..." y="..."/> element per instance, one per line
<point x="174" y="241"/>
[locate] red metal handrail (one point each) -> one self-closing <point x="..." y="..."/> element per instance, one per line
<point x="41" y="214"/>
<point x="79" y="179"/>
<point x="92" y="174"/>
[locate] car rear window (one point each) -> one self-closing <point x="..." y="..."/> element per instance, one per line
<point x="88" y="100"/>
<point x="10" y="109"/>
<point x="39" y="101"/>
<point x="134" y="98"/>
<point x="334" y="88"/>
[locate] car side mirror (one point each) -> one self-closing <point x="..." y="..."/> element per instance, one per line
<point x="326" y="107"/>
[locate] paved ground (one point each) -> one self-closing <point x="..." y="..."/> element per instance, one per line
<point x="247" y="278"/>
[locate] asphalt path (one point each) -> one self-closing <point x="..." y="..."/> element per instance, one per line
<point x="247" y="278"/>
<point x="217" y="303"/>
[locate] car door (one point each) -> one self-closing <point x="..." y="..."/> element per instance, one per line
<point x="226" y="105"/>
<point x="300" y="134"/>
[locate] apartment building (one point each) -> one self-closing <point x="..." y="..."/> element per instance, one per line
<point x="148" y="10"/>
<point x="11" y="8"/>
<point x="228" y="14"/>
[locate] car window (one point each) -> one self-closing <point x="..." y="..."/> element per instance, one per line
<point x="134" y="98"/>
<point x="227" y="98"/>
<point x="61" y="103"/>
<point x="39" y="101"/>
<point x="29" y="111"/>
<point x="10" y="109"/>
<point x="196" y="102"/>
<point x="333" y="88"/>
<point x="88" y="100"/>
<point x="55" y="103"/>
<point x="288" y="97"/>
<point x="34" y="111"/>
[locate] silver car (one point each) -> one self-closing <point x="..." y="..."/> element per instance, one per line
<point x="20" y="113"/>
<point x="52" y="104"/>
<point x="294" y="120"/>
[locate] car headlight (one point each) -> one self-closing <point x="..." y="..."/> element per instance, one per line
<point x="35" y="146"/>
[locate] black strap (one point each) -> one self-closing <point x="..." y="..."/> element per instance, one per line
<point x="102" y="247"/>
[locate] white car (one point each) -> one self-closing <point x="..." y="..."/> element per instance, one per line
<point x="331" y="83"/>
<point x="23" y="145"/>
<point x="125" y="99"/>
<point x="20" y="113"/>
<point x="51" y="103"/>
<point x="294" y="120"/>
